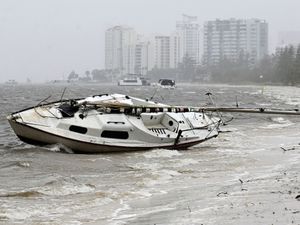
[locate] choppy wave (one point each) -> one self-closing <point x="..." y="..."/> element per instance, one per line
<point x="14" y="144"/>
<point x="60" y="187"/>
<point x="23" y="194"/>
<point x="65" y="186"/>
<point x="22" y="164"/>
<point x="289" y="95"/>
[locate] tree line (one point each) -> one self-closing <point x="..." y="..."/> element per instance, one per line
<point x="282" y="67"/>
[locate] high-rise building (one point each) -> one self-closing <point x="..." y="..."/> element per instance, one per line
<point x="162" y="52"/>
<point x="141" y="63"/>
<point x="231" y="38"/>
<point x="126" y="52"/>
<point x="166" y="52"/>
<point x="175" y="57"/>
<point x="188" y="31"/>
<point x="120" y="44"/>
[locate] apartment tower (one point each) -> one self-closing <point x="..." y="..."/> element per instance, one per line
<point x="188" y="31"/>
<point x="231" y="38"/>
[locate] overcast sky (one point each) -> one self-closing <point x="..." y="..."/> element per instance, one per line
<point x="47" y="39"/>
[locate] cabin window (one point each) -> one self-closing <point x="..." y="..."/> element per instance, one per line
<point x="78" y="129"/>
<point x="115" y="134"/>
<point x="115" y="122"/>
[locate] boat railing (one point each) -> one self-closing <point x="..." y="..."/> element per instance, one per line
<point x="214" y="128"/>
<point x="43" y="116"/>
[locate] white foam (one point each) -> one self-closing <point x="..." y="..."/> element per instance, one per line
<point x="54" y="148"/>
<point x="115" y="215"/>
<point x="160" y="177"/>
<point x="65" y="189"/>
<point x="21" y="214"/>
<point x="273" y="126"/>
<point x="185" y="162"/>
<point x="159" y="153"/>
<point x="98" y="159"/>
<point x="59" y="148"/>
<point x="145" y="166"/>
<point x="156" y="210"/>
<point x="126" y="216"/>
<point x="143" y="193"/>
<point x="280" y="120"/>
<point x="17" y="214"/>
<point x="229" y="151"/>
<point x="24" y="164"/>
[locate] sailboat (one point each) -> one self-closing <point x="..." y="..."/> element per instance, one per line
<point x="113" y="123"/>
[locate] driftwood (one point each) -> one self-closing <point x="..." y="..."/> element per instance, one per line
<point x="288" y="149"/>
<point x="222" y="193"/>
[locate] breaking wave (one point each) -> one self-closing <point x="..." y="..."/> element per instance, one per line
<point x="59" y="148"/>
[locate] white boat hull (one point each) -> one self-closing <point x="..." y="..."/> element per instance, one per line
<point x="37" y="137"/>
<point x="133" y="81"/>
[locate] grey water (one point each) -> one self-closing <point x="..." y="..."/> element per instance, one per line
<point x="244" y="176"/>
